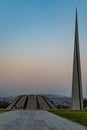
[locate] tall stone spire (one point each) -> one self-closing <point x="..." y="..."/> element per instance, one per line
<point x="77" y="97"/>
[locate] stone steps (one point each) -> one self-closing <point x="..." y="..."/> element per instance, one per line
<point x="11" y="106"/>
<point x="42" y="103"/>
<point x="31" y="102"/>
<point x="21" y="103"/>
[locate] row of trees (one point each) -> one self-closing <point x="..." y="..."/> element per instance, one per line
<point x="4" y="104"/>
<point x="61" y="106"/>
<point x="85" y="103"/>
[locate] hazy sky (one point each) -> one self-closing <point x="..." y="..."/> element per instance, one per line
<point x="36" y="46"/>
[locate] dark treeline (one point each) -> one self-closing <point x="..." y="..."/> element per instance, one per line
<point x="4" y="104"/>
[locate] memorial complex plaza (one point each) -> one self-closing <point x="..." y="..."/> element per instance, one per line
<point x="31" y="112"/>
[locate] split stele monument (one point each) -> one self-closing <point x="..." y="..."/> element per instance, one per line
<point x="77" y="96"/>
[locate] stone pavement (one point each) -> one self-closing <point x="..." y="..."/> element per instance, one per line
<point x="35" y="120"/>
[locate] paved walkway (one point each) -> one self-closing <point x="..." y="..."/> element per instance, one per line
<point x="35" y="120"/>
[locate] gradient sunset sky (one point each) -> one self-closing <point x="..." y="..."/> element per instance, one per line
<point x="37" y="45"/>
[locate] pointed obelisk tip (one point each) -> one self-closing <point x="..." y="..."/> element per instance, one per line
<point x="76" y="14"/>
<point x="76" y="11"/>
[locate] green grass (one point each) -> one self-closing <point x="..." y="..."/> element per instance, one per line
<point x="76" y="116"/>
<point x="2" y="111"/>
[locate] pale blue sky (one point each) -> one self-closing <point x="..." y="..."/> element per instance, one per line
<point x="41" y="31"/>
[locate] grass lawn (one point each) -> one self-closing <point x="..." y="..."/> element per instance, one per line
<point x="76" y="116"/>
<point x="2" y="111"/>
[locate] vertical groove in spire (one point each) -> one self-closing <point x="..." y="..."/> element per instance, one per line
<point x="77" y="97"/>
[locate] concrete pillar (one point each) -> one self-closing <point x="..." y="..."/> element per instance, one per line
<point x="77" y="97"/>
